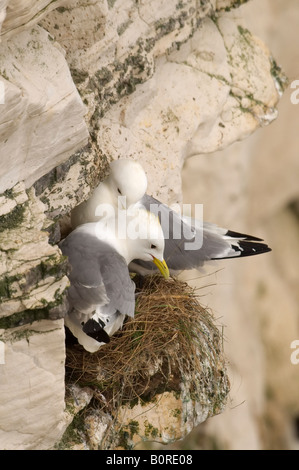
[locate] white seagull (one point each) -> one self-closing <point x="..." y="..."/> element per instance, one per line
<point x="189" y="243"/>
<point x="101" y="292"/>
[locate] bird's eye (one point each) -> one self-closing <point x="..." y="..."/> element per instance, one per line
<point x="153" y="247"/>
<point x="119" y="191"/>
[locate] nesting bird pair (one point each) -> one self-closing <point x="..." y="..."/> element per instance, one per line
<point x="121" y="229"/>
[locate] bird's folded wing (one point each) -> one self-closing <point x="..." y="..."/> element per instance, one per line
<point x="119" y="286"/>
<point x="99" y="275"/>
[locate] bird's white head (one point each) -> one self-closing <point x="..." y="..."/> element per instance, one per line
<point x="128" y="179"/>
<point x="145" y="238"/>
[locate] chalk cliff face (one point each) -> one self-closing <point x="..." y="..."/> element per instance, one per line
<point x="253" y="185"/>
<point x="83" y="83"/>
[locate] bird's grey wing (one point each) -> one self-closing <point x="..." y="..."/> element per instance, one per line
<point x="179" y="238"/>
<point x="190" y="243"/>
<point x="119" y="286"/>
<point x="87" y="289"/>
<point x="120" y="291"/>
<point x="99" y="275"/>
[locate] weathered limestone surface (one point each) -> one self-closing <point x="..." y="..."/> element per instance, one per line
<point x="32" y="398"/>
<point x="41" y="105"/>
<point x="17" y="15"/>
<point x="32" y="271"/>
<point x="219" y="66"/>
<point x="91" y="82"/>
<point x="32" y="284"/>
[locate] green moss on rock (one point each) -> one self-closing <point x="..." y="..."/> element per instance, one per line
<point x="6" y="289"/>
<point x="78" y="75"/>
<point x="28" y="316"/>
<point x="13" y="219"/>
<point x="150" y="431"/>
<point x="278" y="75"/>
<point x="9" y="193"/>
<point x="74" y="434"/>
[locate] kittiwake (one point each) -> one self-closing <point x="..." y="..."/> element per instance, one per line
<point x="189" y="243"/>
<point x="101" y="292"/>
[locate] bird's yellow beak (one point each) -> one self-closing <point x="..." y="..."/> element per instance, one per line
<point x="162" y="266"/>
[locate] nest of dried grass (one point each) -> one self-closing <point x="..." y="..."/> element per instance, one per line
<point x="171" y="340"/>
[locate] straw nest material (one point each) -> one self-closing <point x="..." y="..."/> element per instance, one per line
<point x="172" y="340"/>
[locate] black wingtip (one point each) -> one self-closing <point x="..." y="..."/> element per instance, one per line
<point x="95" y="330"/>
<point x="252" y="248"/>
<point x="247" y="248"/>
